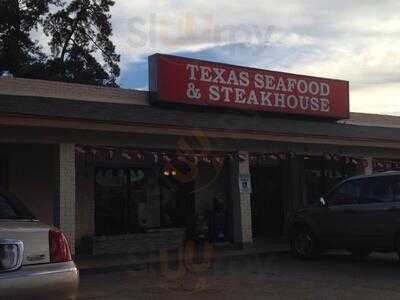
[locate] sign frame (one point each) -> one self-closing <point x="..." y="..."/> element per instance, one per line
<point x="167" y="76"/>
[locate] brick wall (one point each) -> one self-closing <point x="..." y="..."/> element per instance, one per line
<point x="140" y="242"/>
<point x="85" y="205"/>
<point x="67" y="192"/>
<point x="242" y="231"/>
<point x="245" y="203"/>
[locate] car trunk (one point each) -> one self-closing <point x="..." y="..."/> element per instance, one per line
<point x="34" y="236"/>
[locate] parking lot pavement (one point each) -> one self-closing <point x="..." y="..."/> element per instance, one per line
<point x="273" y="276"/>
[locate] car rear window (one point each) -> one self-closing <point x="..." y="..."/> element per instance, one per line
<point x="13" y="209"/>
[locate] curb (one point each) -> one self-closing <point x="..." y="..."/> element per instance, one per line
<point x="140" y="266"/>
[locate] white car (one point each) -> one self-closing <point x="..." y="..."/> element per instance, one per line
<point x="35" y="259"/>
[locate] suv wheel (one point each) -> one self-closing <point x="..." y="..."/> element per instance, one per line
<point x="304" y="243"/>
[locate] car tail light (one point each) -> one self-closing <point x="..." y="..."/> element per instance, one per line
<point x="59" y="248"/>
<point x="11" y="254"/>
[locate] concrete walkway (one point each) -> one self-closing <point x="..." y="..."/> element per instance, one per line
<point x="270" y="276"/>
<point x="110" y="263"/>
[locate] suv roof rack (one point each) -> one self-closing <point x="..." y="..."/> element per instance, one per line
<point x="375" y="174"/>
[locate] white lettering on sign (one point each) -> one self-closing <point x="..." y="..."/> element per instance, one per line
<point x="242" y="88"/>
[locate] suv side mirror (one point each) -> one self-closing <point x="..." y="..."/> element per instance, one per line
<point x="322" y="201"/>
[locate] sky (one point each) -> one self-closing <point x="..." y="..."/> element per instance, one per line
<point x="358" y="41"/>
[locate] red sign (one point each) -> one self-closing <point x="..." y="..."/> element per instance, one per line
<point x="196" y="82"/>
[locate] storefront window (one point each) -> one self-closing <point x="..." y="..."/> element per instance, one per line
<point x="121" y="195"/>
<point x="176" y="201"/>
<point x="170" y="195"/>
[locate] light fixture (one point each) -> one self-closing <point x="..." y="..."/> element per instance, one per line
<point x="173" y="172"/>
<point x="166" y="172"/>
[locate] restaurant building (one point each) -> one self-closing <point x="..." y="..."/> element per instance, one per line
<point x="211" y="149"/>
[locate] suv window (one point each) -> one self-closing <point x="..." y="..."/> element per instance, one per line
<point x="346" y="193"/>
<point x="377" y="190"/>
<point x="395" y="186"/>
<point x="13" y="209"/>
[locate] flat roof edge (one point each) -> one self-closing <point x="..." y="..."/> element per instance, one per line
<point x="71" y="91"/>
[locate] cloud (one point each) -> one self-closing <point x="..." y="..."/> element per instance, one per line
<point x="352" y="40"/>
<point x="377" y="98"/>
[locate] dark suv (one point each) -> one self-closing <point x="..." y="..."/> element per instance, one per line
<point x="361" y="214"/>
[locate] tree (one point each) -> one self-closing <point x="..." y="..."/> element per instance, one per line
<point x="18" y="52"/>
<point x="80" y="43"/>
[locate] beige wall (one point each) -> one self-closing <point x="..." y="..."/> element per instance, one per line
<point x="32" y="176"/>
<point x="85" y="206"/>
<point x="67" y="192"/>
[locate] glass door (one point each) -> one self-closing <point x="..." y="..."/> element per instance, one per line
<point x="110" y="200"/>
<point x="137" y="200"/>
<point x="121" y="200"/>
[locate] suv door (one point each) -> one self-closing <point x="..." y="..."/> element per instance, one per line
<point x="379" y="210"/>
<point x="339" y="226"/>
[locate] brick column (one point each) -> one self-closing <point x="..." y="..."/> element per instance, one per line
<point x="67" y="192"/>
<point x="242" y="228"/>
<point x="368" y="169"/>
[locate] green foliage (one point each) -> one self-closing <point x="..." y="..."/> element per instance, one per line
<point x="18" y="52"/>
<point x="80" y="43"/>
<point x="79" y="33"/>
